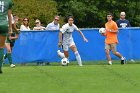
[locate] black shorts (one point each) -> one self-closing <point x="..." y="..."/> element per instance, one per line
<point x="3" y="30"/>
<point x="12" y="43"/>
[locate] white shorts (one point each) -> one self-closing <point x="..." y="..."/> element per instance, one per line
<point x="66" y="46"/>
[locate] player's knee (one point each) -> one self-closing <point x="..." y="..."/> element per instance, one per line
<point x="114" y="52"/>
<point x="9" y="50"/>
<point x="107" y="52"/>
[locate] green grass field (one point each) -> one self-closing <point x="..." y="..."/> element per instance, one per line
<point x="72" y="79"/>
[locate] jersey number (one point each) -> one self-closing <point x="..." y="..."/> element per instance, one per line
<point x="1" y="6"/>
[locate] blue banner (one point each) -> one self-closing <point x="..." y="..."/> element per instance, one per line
<point x="33" y="46"/>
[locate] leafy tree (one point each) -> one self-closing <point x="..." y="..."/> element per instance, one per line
<point x="45" y="10"/>
<point x="87" y="13"/>
<point x="92" y="13"/>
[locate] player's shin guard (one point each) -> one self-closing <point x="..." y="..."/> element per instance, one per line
<point x="9" y="56"/>
<point x="1" y="57"/>
<point x="78" y="58"/>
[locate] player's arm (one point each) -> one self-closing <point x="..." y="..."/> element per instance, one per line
<point x="82" y="35"/>
<point x="10" y="20"/>
<point x="15" y="27"/>
<point x="13" y="38"/>
<point x="113" y="31"/>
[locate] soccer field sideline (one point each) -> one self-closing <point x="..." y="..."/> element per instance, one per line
<point x="72" y="79"/>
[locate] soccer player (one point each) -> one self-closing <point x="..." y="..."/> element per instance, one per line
<point x="111" y="40"/>
<point x="10" y="40"/>
<point x="5" y="10"/>
<point x="68" y="41"/>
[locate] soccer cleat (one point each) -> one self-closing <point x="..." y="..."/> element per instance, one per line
<point x="110" y="63"/>
<point x="123" y="61"/>
<point x="12" y="65"/>
<point x="1" y="72"/>
<point x="48" y="63"/>
<point x="80" y="65"/>
<point x="132" y="60"/>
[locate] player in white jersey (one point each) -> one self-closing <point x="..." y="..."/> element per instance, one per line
<point x="68" y="41"/>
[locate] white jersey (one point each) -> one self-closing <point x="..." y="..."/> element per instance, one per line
<point x="67" y="35"/>
<point x="67" y="31"/>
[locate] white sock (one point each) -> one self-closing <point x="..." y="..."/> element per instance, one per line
<point x="122" y="58"/>
<point x="62" y="55"/>
<point x="78" y="58"/>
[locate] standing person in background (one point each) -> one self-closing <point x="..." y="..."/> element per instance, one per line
<point x="54" y="25"/>
<point x="10" y="40"/>
<point x="68" y="41"/>
<point x="111" y="40"/>
<point x="38" y="25"/>
<point x="25" y="25"/>
<point x="122" y="22"/>
<point x="5" y="10"/>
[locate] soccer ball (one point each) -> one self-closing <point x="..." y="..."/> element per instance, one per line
<point x="102" y="30"/>
<point x="64" y="62"/>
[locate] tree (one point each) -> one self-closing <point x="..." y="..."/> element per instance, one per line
<point x="45" y="10"/>
<point x="92" y="13"/>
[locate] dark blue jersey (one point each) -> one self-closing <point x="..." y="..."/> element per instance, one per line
<point x="123" y="23"/>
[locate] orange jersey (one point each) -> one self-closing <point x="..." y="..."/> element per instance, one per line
<point x="111" y="37"/>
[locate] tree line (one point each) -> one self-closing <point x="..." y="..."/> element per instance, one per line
<point x="87" y="13"/>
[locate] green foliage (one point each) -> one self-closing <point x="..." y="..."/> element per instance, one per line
<point x="45" y="10"/>
<point x="87" y="13"/>
<point x="92" y="13"/>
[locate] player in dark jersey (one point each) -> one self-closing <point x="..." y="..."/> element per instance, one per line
<point x="5" y="25"/>
<point x="10" y="40"/>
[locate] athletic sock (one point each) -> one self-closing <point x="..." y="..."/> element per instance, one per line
<point x="122" y="58"/>
<point x="9" y="56"/>
<point x="1" y="57"/>
<point x="62" y="55"/>
<point x="123" y="61"/>
<point x="78" y="58"/>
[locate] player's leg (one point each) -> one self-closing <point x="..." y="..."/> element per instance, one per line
<point x="114" y="50"/>
<point x="107" y="51"/>
<point x="60" y="54"/>
<point x="9" y="54"/>
<point x="2" y="42"/>
<point x="78" y="58"/>
<point x="6" y="41"/>
<point x="66" y="53"/>
<point x="65" y="50"/>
